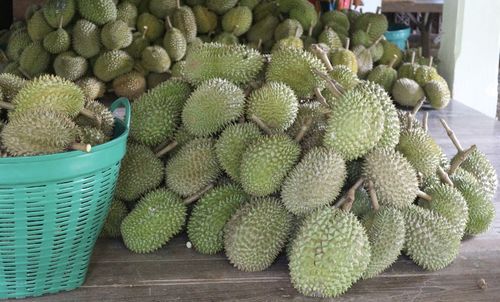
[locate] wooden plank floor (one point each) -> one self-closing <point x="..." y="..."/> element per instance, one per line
<point x="176" y="273"/>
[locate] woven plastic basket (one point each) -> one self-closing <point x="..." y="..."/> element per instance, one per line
<point x="52" y="209"/>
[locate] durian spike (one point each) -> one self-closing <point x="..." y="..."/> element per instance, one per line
<point x="418" y="106"/>
<point x="376" y="42"/>
<point x="445" y="178"/>
<point x="323" y="56"/>
<point x="331" y="84"/>
<point x="347" y="43"/>
<point x="460" y="158"/>
<point x="451" y="135"/>
<point x="81" y="147"/>
<point x="320" y="97"/>
<point x="168" y="23"/>
<point x="431" y="60"/>
<point x="350" y="197"/>
<point x="373" y="195"/>
<point x="413" y="54"/>
<point x="368" y="28"/>
<point x="87" y="113"/>
<point x="261" y="124"/>
<point x="5" y="105"/>
<point x="178" y="4"/>
<point x="425" y="121"/>
<point x="424" y="196"/>
<point x="198" y="194"/>
<point x="303" y="130"/>
<point x="145" y="28"/>
<point x="167" y="149"/>
<point x="393" y="61"/>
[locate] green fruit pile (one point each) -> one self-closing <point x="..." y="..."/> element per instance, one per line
<point x="334" y="174"/>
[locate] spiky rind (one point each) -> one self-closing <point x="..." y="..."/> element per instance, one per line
<point x="117" y="212"/>
<point x="420" y="150"/>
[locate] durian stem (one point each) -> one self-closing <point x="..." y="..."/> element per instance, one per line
<point x="261" y="124"/>
<point x="418" y="106"/>
<point x="145" y="30"/>
<point x="303" y="130"/>
<point x="297" y="32"/>
<point x="451" y="135"/>
<point x="6" y="105"/>
<point x="331" y="84"/>
<point x="425" y="121"/>
<point x="310" y="31"/>
<point x="460" y="158"/>
<point x="348" y="200"/>
<point x="379" y="10"/>
<point x="393" y="61"/>
<point x="431" y="60"/>
<point x="81" y="147"/>
<point x="320" y="97"/>
<point x="87" y="113"/>
<point x="424" y="196"/>
<point x="376" y="42"/>
<point x="167" y="149"/>
<point x="408" y="44"/>
<point x="61" y="21"/>
<point x="413" y="54"/>
<point x="368" y="28"/>
<point x="373" y="195"/>
<point x="444" y="176"/>
<point x="178" y="4"/>
<point x="322" y="55"/>
<point x="420" y="51"/>
<point x="169" y="23"/>
<point x="198" y="194"/>
<point x="347" y="43"/>
<point x="259" y="44"/>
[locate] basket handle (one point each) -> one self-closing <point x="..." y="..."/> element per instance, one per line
<point x="123" y="102"/>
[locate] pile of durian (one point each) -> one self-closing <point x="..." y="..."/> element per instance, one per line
<point x="129" y="46"/>
<point x="256" y="155"/>
<point x="49" y="115"/>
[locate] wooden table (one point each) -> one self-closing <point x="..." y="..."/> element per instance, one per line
<point x="176" y="273"/>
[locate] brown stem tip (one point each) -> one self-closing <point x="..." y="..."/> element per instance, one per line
<point x="81" y="147"/>
<point x="373" y="196"/>
<point x="351" y="195"/>
<point x="460" y="158"/>
<point x="167" y="149"/>
<point x="198" y="194"/>
<point x="451" y="135"/>
<point x="261" y="124"/>
<point x="424" y="196"/>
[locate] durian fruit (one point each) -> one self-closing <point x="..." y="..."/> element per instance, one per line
<point x="231" y="145"/>
<point x="193" y="167"/>
<point x="151" y="27"/>
<point x="385" y="228"/>
<point x="117" y="212"/>
<point x="327" y="236"/>
<point x="420" y="150"/>
<point x="174" y="43"/>
<point x="10" y="85"/>
<point x="40" y="131"/>
<point x="237" y="20"/>
<point x="91" y="136"/>
<point x="212" y="106"/>
<point x="425" y="74"/>
<point x="364" y="60"/>
<point x="162" y="8"/>
<point x="57" y="41"/>
<point x="355" y="125"/>
<point x="314" y="182"/>
<point x="155" y="59"/>
<point x="376" y="22"/>
<point x="390" y="50"/>
<point x="221" y="6"/>
<point x="139" y="43"/>
<point x="130" y="85"/>
<point x="34" y="60"/>
<point x="336" y="20"/>
<point x="481" y="209"/>
<point x="343" y="75"/>
<point x="226" y="38"/>
<point x="362" y="37"/>
<point x="407" y="92"/>
<point x="288" y="28"/>
<point x="19" y="40"/>
<point x="275" y="104"/>
<point x="206" y="20"/>
<point x="291" y="42"/>
<point x="300" y="76"/>
<point x="384" y="75"/>
<point x="330" y="38"/>
<point x="209" y="216"/>
<point x="116" y="35"/>
<point x="86" y="38"/>
<point x="235" y="63"/>
<point x="437" y="93"/>
<point x="256" y="234"/>
<point x="393" y="177"/>
<point x="99" y="12"/>
<point x="59" y="13"/>
<point x="408" y="69"/>
<point x="92" y="88"/>
<point x="431" y="241"/>
<point x="140" y="172"/>
<point x="38" y="27"/>
<point x="262" y="30"/>
<point x="448" y="202"/>
<point x="49" y="92"/>
<point x="343" y="56"/>
<point x="481" y="168"/>
<point x="266" y="162"/>
<point x="156" y="114"/>
<point x="249" y="3"/>
<point x="377" y="51"/>
<point x="70" y="66"/>
<point x="112" y="64"/>
<point x="183" y="19"/>
<point x="305" y="12"/>
<point x="154" y="221"/>
<point x="127" y="12"/>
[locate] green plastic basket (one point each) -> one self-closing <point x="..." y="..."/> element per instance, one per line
<point x="52" y="209"/>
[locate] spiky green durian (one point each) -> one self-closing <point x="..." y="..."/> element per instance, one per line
<point x="343" y="75"/>
<point x="140" y="172"/>
<point x="437" y="93"/>
<point x="263" y="29"/>
<point x="420" y="150"/>
<point x="342" y="56"/>
<point x="288" y="28"/>
<point x="390" y="50"/>
<point x="162" y="8"/>
<point x="156" y="114"/>
<point x="183" y="19"/>
<point x="275" y="104"/>
<point x="117" y="212"/>
<point x="328" y="236"/>
<point x="92" y="88"/>
<point x="34" y="60"/>
<point x="407" y="70"/>
<point x="235" y="63"/>
<point x="116" y="35"/>
<point x="393" y="177"/>
<point x="481" y="208"/>
<point x="112" y="64"/>
<point x="330" y="38"/>
<point x="237" y="20"/>
<point x="104" y="117"/>
<point x="431" y="241"/>
<point x="99" y="12"/>
<point x="59" y="13"/>
<point x="175" y="44"/>
<point x="38" y="27"/>
<point x="314" y="182"/>
<point x="127" y="12"/>
<point x="226" y="38"/>
<point x="206" y="20"/>
<point x="425" y="74"/>
<point x="221" y="6"/>
<point x="361" y="37"/>
<point x="57" y="41"/>
<point x="86" y="38"/>
<point x="364" y="60"/>
<point x="290" y="42"/>
<point x="377" y="51"/>
<point x="151" y="27"/>
<point x="18" y="41"/>
<point x="478" y="165"/>
<point x="155" y="59"/>
<point x="377" y="22"/>
<point x="70" y="66"/>
<point x="306" y="14"/>
<point x="256" y="234"/>
<point x="11" y="84"/>
<point x="355" y="125"/>
<point x="213" y="105"/>
<point x="139" y="43"/>
<point x="362" y="204"/>
<point x="130" y="85"/>
<point x="385" y="228"/>
<point x="266" y="162"/>
<point x="193" y="167"/>
<point x="298" y="76"/>
<point x="407" y="92"/>
<point x="383" y="75"/>
<point x="335" y="19"/>
<point x="154" y="221"/>
<point x="209" y="216"/>
<point x="92" y="136"/>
